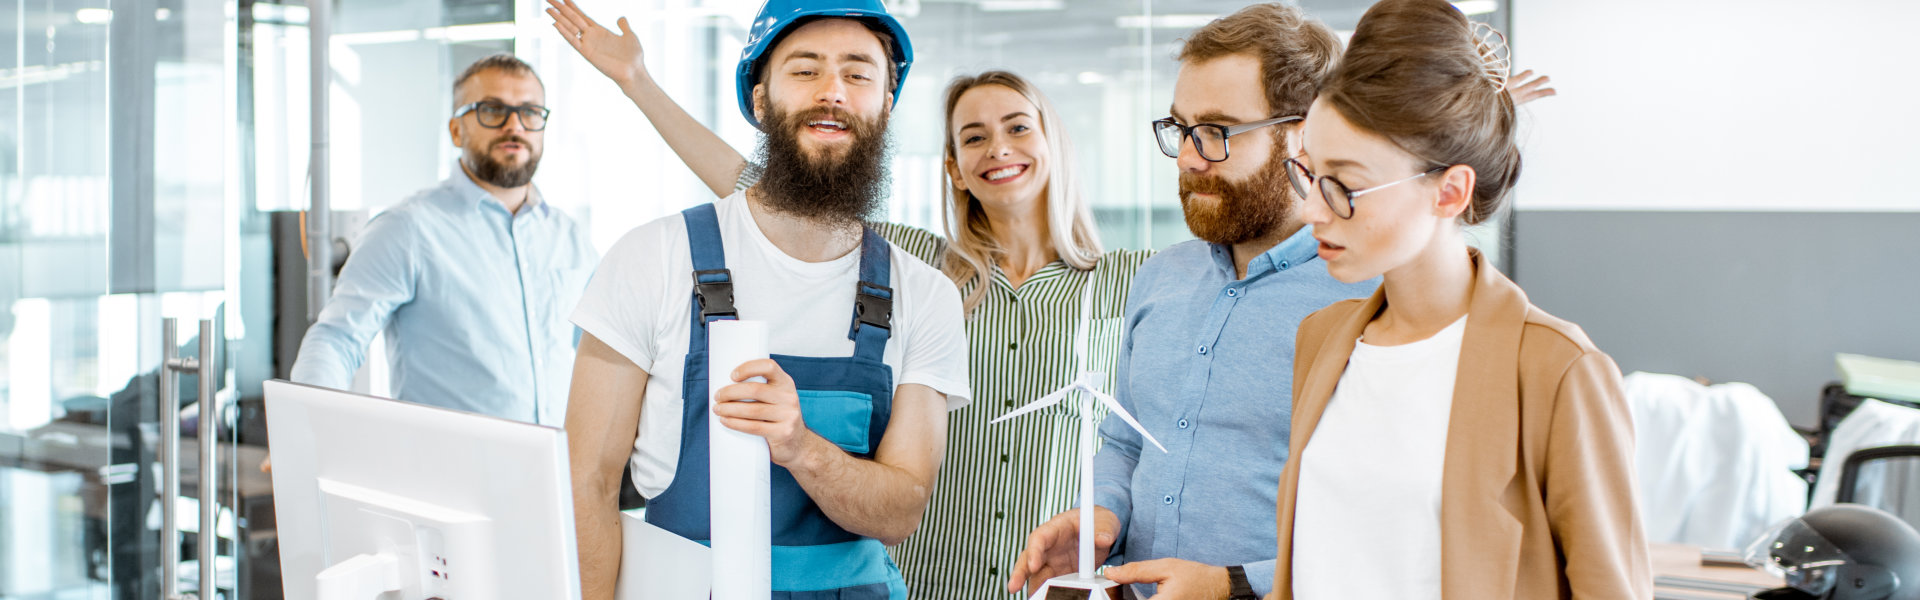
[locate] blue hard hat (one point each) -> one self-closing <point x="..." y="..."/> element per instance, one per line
<point x="777" y="15"/>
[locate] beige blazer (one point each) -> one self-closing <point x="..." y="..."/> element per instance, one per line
<point x="1537" y="498"/>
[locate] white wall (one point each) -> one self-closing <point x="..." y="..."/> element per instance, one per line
<point x="1764" y="105"/>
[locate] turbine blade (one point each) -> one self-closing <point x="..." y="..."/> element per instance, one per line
<point x="1113" y="406"/>
<point x="1043" y="402"/>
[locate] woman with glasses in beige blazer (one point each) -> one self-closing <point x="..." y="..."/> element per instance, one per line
<point x="1450" y="439"/>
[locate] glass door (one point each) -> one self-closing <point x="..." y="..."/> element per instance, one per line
<point x="118" y="213"/>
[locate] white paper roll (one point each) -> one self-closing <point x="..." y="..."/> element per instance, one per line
<point x="742" y="510"/>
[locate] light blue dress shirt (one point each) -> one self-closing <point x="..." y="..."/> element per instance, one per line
<point x="1207" y="368"/>
<point x="473" y="299"/>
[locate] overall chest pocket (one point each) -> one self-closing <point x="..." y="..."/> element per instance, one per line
<point x="844" y="418"/>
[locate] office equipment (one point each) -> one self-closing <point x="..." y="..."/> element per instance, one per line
<point x="377" y="496"/>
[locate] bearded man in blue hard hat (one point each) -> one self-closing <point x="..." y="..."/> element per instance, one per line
<point x="867" y="344"/>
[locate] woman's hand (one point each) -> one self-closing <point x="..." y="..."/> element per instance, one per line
<point x="616" y="56"/>
<point x="1524" y="87"/>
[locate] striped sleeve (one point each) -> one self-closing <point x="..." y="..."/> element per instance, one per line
<point x="922" y="244"/>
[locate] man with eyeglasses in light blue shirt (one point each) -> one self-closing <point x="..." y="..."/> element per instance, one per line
<point x="472" y="280"/>
<point x="1206" y="362"/>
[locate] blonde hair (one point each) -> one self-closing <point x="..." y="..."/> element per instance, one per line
<point x="971" y="248"/>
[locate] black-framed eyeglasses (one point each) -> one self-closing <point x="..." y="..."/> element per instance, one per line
<point x="1209" y="138"/>
<point x="1339" y="197"/>
<point x="493" y="115"/>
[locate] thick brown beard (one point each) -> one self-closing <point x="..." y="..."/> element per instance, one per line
<point x="1246" y="210"/>
<point x="486" y="169"/>
<point x="832" y="190"/>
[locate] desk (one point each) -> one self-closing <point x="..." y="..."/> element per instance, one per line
<point x="1671" y="561"/>
<point x="86" y="448"/>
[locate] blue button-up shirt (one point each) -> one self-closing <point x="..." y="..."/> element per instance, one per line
<point x="1207" y="367"/>
<point x="473" y="299"/>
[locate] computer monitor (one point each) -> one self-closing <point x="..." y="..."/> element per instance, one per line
<point x="382" y="499"/>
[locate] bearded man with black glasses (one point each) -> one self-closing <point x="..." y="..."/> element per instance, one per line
<point x="473" y="279"/>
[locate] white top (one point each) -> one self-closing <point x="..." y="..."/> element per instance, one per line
<point x="639" y="304"/>
<point x="1367" y="516"/>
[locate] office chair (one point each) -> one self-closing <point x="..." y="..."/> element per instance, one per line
<point x="1892" y="487"/>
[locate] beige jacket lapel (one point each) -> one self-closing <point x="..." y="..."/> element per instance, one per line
<point x="1480" y="534"/>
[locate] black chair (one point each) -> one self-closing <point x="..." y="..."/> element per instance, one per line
<point x="1904" y="499"/>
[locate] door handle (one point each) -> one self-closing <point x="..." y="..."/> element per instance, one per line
<point x="171" y="367"/>
<point x="209" y="476"/>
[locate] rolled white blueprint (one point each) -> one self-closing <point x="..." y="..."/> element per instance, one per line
<point x="742" y="510"/>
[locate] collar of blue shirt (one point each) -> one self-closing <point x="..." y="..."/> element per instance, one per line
<point x="1295" y="251"/>
<point x="465" y="189"/>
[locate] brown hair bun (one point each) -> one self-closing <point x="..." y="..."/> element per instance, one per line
<point x="1418" y="73"/>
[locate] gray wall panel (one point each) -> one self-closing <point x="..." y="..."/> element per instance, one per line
<point x="1764" y="298"/>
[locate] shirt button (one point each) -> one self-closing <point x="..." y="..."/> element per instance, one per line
<point x="993" y="570"/>
<point x="1009" y="404"/>
<point x="1003" y="458"/>
<point x="1013" y="346"/>
<point x="1283" y="264"/>
<point x="1183" y="423"/>
<point x="1203" y="350"/>
<point x="999" y="515"/>
<point x="1232" y="292"/>
<point x="1167" y="500"/>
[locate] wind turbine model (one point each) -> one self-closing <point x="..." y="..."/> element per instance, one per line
<point x="1086" y="584"/>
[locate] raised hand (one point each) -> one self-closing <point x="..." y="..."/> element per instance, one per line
<point x="616" y="56"/>
<point x="1524" y="87"/>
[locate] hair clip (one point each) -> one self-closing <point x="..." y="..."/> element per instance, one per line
<point x="1496" y="58"/>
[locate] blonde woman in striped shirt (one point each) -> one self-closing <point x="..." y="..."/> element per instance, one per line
<point x="1022" y="247"/>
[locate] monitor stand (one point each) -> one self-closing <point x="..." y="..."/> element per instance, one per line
<point x="363" y="577"/>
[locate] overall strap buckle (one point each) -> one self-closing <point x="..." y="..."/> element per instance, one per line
<point x="713" y="291"/>
<point x="873" y="305"/>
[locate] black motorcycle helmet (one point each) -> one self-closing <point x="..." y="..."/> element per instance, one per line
<point x="1840" y="552"/>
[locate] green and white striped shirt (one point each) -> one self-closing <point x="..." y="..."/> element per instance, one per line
<point x="998" y="483"/>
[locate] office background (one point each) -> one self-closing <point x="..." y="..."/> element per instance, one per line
<point x="1722" y="189"/>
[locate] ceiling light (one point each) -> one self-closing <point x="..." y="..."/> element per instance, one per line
<point x="280" y="14"/>
<point x="376" y="37"/>
<point x="1187" y="21"/>
<point x="93" y="16"/>
<point x="1477" y="7"/>
<point x="503" y="30"/>
<point x="1021" y="5"/>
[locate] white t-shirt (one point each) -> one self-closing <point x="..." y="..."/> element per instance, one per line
<point x="1367" y="516"/>
<point x="639" y="304"/>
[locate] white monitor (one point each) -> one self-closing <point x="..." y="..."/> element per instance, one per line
<point x="379" y="499"/>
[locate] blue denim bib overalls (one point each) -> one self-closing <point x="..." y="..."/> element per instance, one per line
<point x="845" y="400"/>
